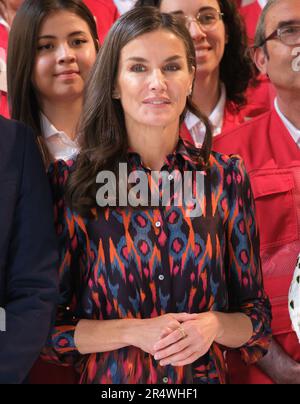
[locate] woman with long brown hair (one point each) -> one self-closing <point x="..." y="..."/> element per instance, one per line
<point x="225" y="73"/>
<point x="52" y="47"/>
<point x="152" y="290"/>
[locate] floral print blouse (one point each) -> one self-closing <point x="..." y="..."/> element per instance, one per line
<point x="142" y="263"/>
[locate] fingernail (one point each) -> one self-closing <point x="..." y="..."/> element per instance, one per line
<point x="156" y="357"/>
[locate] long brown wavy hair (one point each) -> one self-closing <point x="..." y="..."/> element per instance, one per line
<point x="22" y="50"/>
<point x="104" y="142"/>
<point x="237" y="70"/>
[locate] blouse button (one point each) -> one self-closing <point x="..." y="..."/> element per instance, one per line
<point x="161" y="277"/>
<point x="157" y="224"/>
<point x="170" y="178"/>
<point x="165" y="380"/>
<point x="67" y="308"/>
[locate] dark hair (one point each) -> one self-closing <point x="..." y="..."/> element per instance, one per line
<point x="237" y="70"/>
<point x="104" y="142"/>
<point x="22" y="51"/>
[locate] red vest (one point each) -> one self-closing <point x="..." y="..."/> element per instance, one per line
<point x="105" y="13"/>
<point x="272" y="160"/>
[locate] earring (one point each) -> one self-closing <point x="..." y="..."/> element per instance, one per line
<point x="116" y="95"/>
<point x="190" y="92"/>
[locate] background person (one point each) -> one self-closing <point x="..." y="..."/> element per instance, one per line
<point x="46" y="78"/>
<point x="105" y="13"/>
<point x="8" y="9"/>
<point x="270" y="147"/>
<point x="28" y="252"/>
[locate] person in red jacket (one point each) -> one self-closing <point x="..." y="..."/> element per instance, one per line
<point x="269" y="146"/>
<point x="251" y="13"/>
<point x="105" y="13"/>
<point x="8" y="9"/>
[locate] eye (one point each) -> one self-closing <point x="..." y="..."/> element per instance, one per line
<point x="78" y="41"/>
<point x="207" y="18"/>
<point x="172" y="67"/>
<point x="45" y="47"/>
<point x="291" y="30"/>
<point x="138" y="68"/>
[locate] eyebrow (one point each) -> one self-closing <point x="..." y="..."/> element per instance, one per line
<point x="143" y="60"/>
<point x="283" y="24"/>
<point x="206" y="8"/>
<point x="70" y="35"/>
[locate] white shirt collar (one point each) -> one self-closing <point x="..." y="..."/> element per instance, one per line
<point x="124" y="5"/>
<point x="4" y="23"/>
<point x="262" y="3"/>
<point x="294" y="132"/>
<point x="196" y="127"/>
<point x="3" y="77"/>
<point x="48" y="129"/>
<point x="58" y="142"/>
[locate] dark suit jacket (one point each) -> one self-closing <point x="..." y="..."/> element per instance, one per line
<point x="28" y="252"/>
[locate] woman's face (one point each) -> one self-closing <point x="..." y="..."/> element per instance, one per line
<point x="209" y="45"/>
<point x="65" y="54"/>
<point x="153" y="80"/>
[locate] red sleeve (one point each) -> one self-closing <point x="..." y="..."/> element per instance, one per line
<point x="105" y="13"/>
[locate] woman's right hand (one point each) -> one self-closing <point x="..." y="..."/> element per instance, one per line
<point x="148" y="332"/>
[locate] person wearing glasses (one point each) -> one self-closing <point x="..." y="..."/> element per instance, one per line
<point x="270" y="147"/>
<point x="224" y="67"/>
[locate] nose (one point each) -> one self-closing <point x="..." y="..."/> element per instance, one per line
<point x="196" y="31"/>
<point x="157" y="81"/>
<point x="65" y="54"/>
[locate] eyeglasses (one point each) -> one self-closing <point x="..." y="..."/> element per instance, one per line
<point x="289" y="35"/>
<point x="207" y="19"/>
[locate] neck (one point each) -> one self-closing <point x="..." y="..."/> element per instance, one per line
<point x="8" y="14"/>
<point x="207" y="92"/>
<point x="64" y="116"/>
<point x="153" y="144"/>
<point x="289" y="105"/>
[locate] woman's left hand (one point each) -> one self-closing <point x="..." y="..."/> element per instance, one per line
<point x="190" y="341"/>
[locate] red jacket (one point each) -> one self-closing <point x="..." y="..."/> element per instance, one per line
<point x="3" y="52"/>
<point x="105" y="13"/>
<point x="251" y="14"/>
<point x="272" y="160"/>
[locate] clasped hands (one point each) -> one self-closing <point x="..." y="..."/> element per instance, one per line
<point x="179" y="339"/>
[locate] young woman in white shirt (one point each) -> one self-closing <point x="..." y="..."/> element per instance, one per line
<point x="52" y="47"/>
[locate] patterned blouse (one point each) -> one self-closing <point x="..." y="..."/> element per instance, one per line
<point x="294" y="300"/>
<point x="143" y="263"/>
